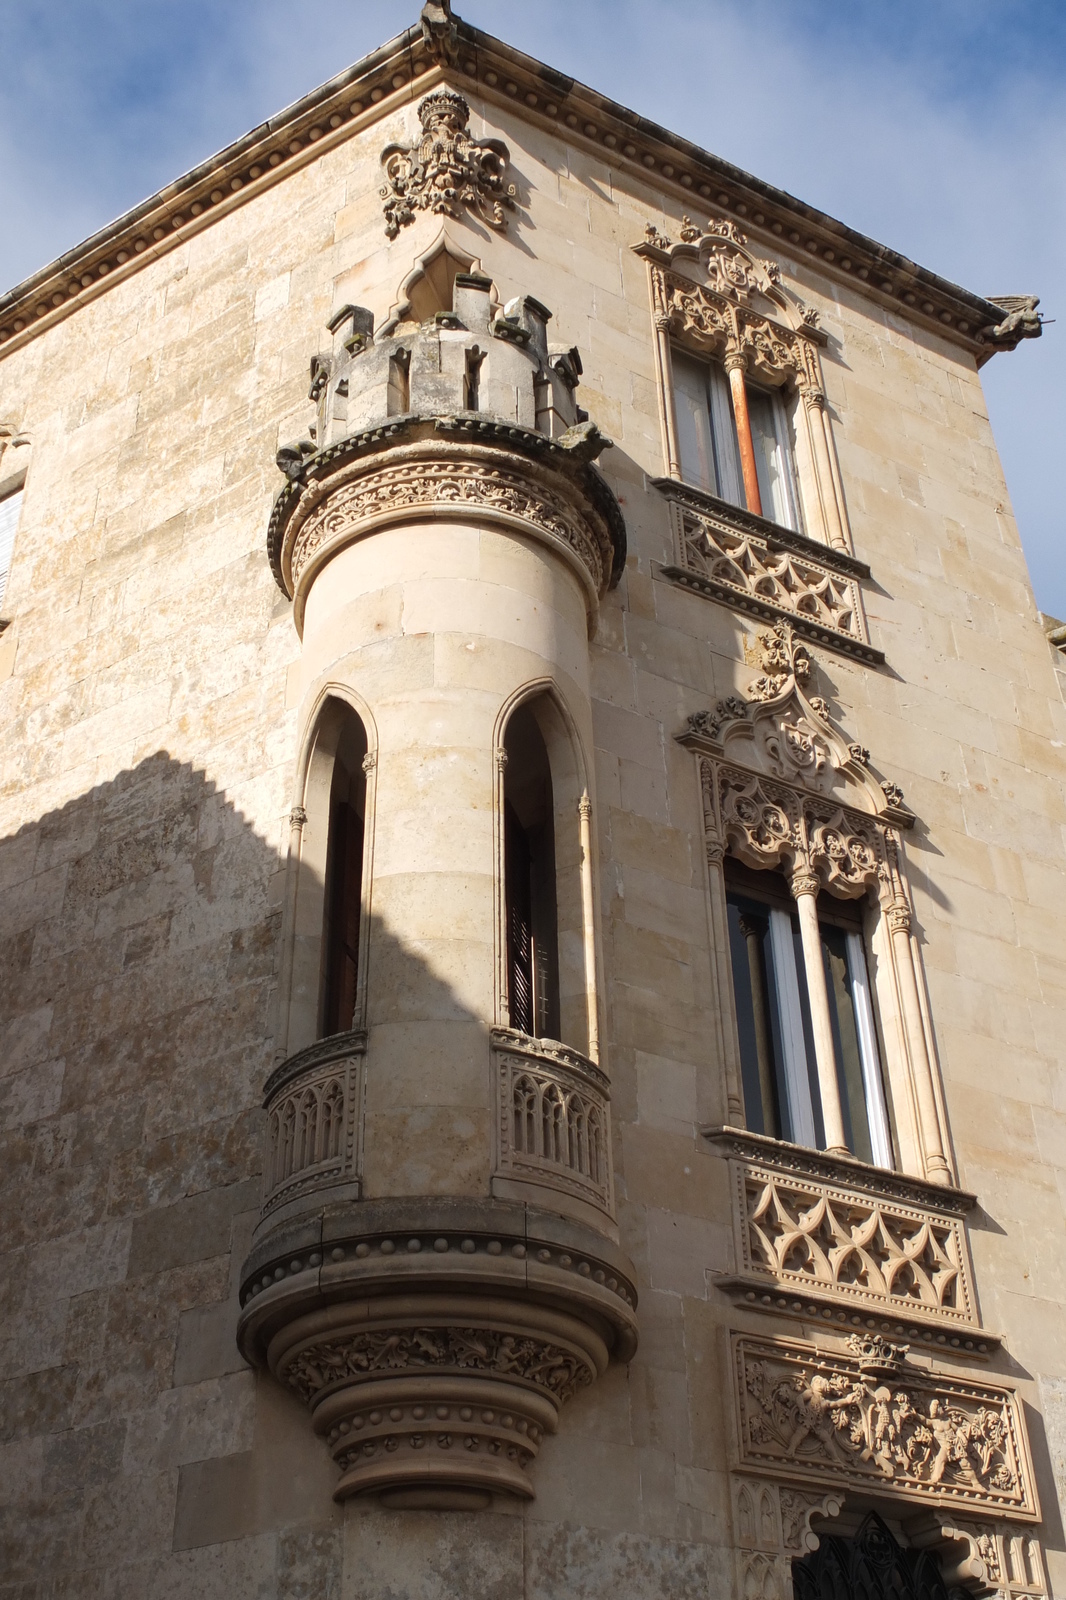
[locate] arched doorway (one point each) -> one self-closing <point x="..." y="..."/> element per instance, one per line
<point x="872" y="1565"/>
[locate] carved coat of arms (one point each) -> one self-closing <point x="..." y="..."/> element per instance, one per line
<point x="447" y="169"/>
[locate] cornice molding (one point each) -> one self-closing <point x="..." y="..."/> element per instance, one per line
<point x="405" y="68"/>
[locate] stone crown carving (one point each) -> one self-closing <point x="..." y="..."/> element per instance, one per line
<point x="446" y="169"/>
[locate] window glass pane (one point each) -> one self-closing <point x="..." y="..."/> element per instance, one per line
<point x="772" y="456"/>
<point x="858" y="1067"/>
<point x="10" y="507"/>
<point x="724" y="432"/>
<point x="693" y="422"/>
<point x="760" y="1057"/>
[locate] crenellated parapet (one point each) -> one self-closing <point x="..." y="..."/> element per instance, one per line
<point x="472" y="412"/>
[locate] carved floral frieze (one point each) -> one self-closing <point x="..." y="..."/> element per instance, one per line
<point x="446" y="169"/>
<point x="864" y="1416"/>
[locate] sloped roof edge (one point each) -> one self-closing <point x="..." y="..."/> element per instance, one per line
<point x="446" y="47"/>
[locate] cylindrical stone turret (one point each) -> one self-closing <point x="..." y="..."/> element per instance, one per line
<point x="445" y="547"/>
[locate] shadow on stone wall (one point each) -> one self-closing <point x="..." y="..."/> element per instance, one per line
<point x="138" y="931"/>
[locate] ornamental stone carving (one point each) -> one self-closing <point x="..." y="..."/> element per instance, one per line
<point x="864" y="1416"/>
<point x="446" y="170"/>
<point x="822" y="1237"/>
<point x="434" y="1340"/>
<point x="314" y="1104"/>
<point x="553" y="1116"/>
<point x="732" y="555"/>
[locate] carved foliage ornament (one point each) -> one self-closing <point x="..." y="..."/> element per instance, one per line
<point x="459" y="483"/>
<point x="547" y="1366"/>
<point x="446" y="170"/>
<point x="782" y="731"/>
<point x="867" y="1417"/>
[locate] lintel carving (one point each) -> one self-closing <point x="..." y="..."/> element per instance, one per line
<point x="864" y="1416"/>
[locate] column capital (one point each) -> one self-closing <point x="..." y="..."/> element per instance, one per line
<point x="804" y="881"/>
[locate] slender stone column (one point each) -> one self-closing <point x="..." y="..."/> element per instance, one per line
<point x="805" y="893"/>
<point x="726" y="1002"/>
<point x="836" y="533"/>
<point x="588" y="920"/>
<point x="936" y="1164"/>
<point x="734" y="365"/>
<point x="763" y="1052"/>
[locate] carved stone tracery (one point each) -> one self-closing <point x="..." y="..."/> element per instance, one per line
<point x="446" y="169"/>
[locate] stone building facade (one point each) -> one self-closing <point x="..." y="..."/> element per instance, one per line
<point x="533" y="977"/>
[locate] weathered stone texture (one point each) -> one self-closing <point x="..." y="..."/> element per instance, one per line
<point x="152" y="718"/>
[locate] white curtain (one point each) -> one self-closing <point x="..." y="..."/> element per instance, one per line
<point x="793" y="1045"/>
<point x="876" y="1111"/>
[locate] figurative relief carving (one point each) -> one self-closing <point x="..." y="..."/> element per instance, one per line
<point x="868" y="1417"/>
<point x="390" y="1351"/>
<point x="446" y="170"/>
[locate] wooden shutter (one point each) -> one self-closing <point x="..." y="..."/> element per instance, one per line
<point x="346" y="885"/>
<point x="517" y="867"/>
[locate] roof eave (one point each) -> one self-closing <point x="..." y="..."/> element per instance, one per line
<point x="401" y="70"/>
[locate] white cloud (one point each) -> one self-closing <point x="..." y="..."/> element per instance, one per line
<point x="101" y="101"/>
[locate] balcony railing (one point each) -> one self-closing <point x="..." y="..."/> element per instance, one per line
<point x="850" y="1243"/>
<point x="553" y="1115"/>
<point x="313" y="1103"/>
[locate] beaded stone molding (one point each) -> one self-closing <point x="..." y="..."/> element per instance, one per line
<point x="435" y="1340"/>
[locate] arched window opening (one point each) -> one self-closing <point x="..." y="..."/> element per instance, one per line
<point x="779" y="1073"/>
<point x="344" y="878"/>
<point x="710" y="445"/>
<point x="530" y="880"/>
<point x="873" y="1564"/>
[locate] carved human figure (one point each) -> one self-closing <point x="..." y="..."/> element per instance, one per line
<point x="815" y="1409"/>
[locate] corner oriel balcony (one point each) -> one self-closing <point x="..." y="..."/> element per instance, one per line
<point x="436" y="1270"/>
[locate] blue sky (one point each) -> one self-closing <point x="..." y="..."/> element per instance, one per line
<point x="937" y="126"/>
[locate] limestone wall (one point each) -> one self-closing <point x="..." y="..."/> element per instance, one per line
<point x="152" y="712"/>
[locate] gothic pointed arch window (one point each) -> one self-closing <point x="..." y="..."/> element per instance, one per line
<point x="324" y="943"/>
<point x="825" y="1036"/>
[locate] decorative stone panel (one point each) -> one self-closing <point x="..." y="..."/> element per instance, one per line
<point x="314" y="1106"/>
<point x="820" y="1236"/>
<point x="862" y="1417"/>
<point x="553" y="1117"/>
<point x="753" y="565"/>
